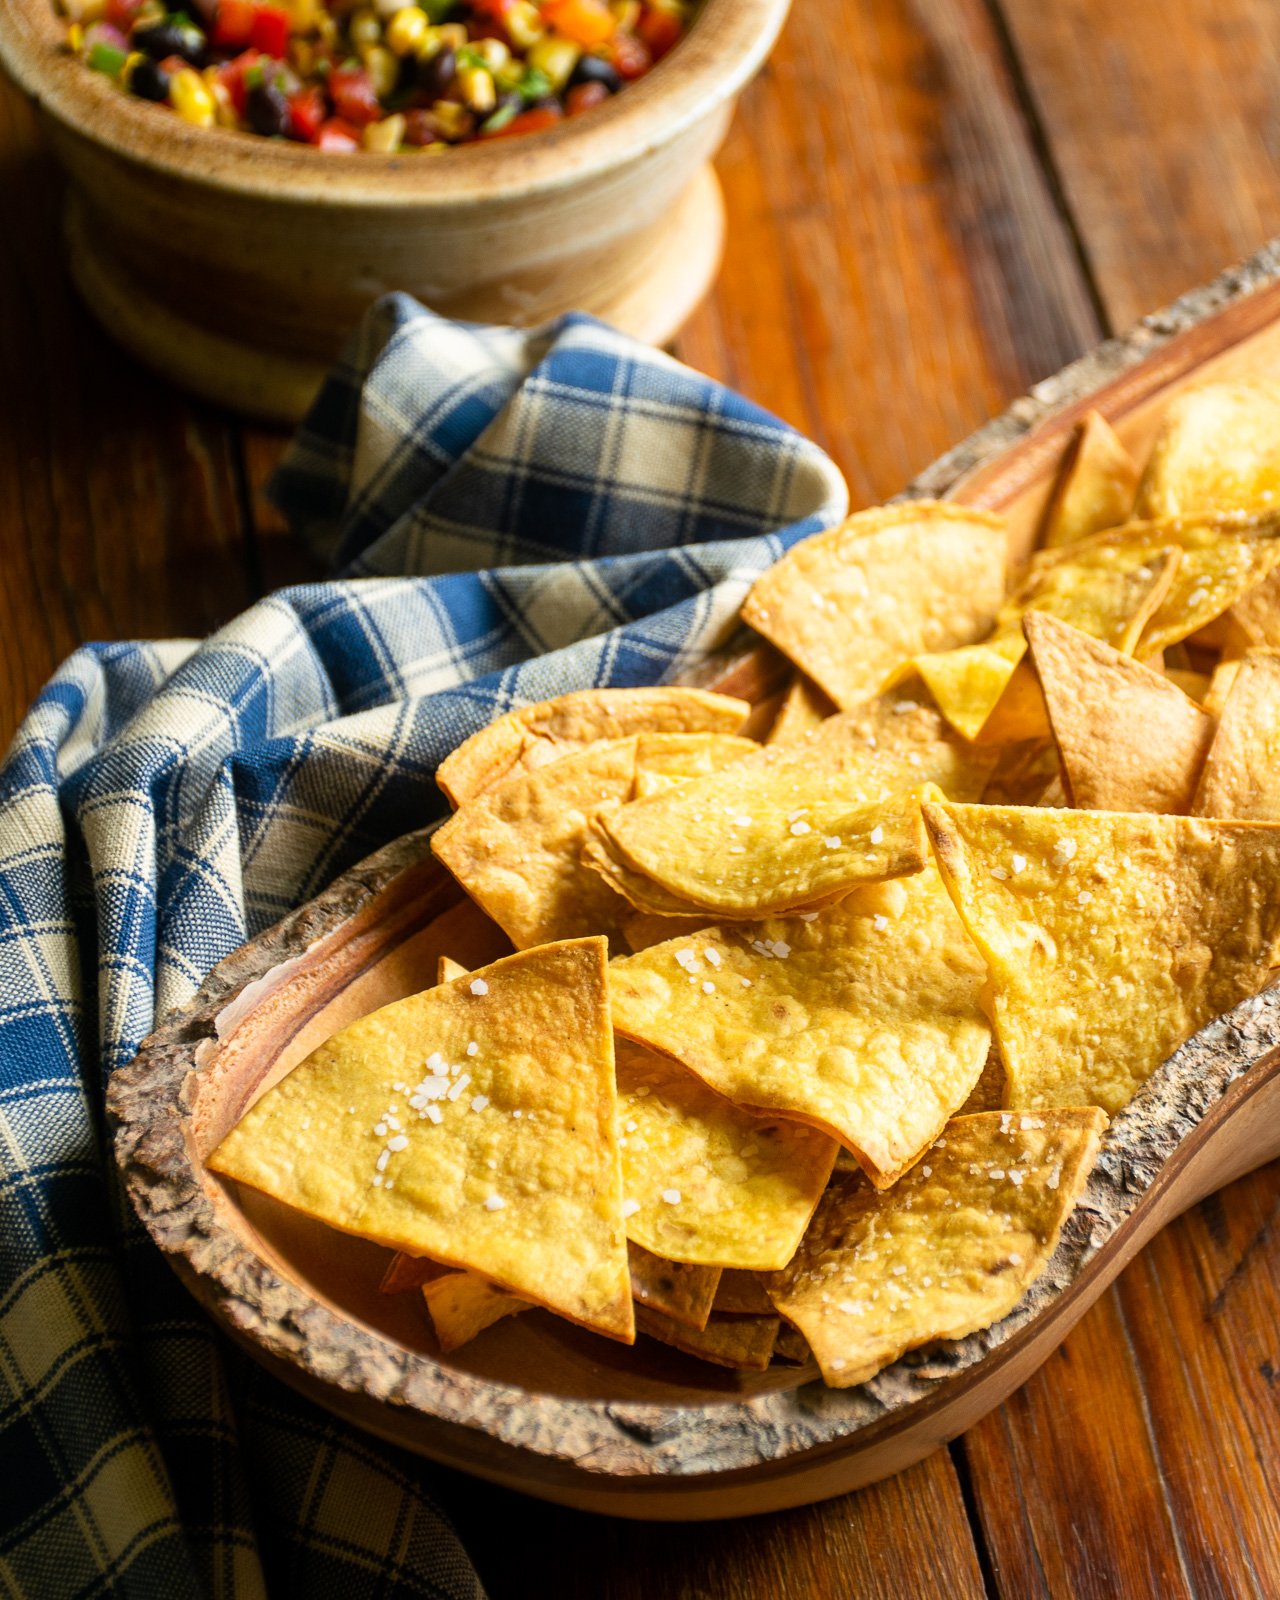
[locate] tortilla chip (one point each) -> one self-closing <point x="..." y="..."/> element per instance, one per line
<point x="745" y="1343"/>
<point x="510" y="1165"/>
<point x="1023" y="773"/>
<point x="409" y="1272"/>
<point x="462" y="1305"/>
<point x="864" y="1021"/>
<point x="851" y="605"/>
<point x="803" y="707"/>
<point x="1129" y="739"/>
<point x="447" y="969"/>
<point x="666" y="760"/>
<point x="989" y="1091"/>
<point x="1110" y="937"/>
<point x="516" y="849"/>
<point x="1107" y="590"/>
<point x="1254" y="619"/>
<point x="1218" y="449"/>
<point x="949" y="1250"/>
<point x="526" y="739"/>
<point x="741" y="1294"/>
<point x="642" y="928"/>
<point x="1222" y="562"/>
<point x="705" y="1181"/>
<point x="1195" y="685"/>
<point x="792" y="825"/>
<point x="792" y="1346"/>
<point x="1224" y="675"/>
<point x="678" y="1289"/>
<point x="1095" y="488"/>
<point x="1241" y="777"/>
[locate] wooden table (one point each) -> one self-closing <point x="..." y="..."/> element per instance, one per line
<point x="932" y="204"/>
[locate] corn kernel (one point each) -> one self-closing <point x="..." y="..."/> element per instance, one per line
<point x="383" y="69"/>
<point x="130" y="62"/>
<point x="75" y="38"/>
<point x="492" y="52"/>
<point x="364" y="29"/>
<point x="478" y="92"/>
<point x="453" y="34"/>
<point x="555" y="58"/>
<point x="190" y="98"/>
<point x="386" y="136"/>
<point x="406" y="30"/>
<point x="523" y="24"/>
<point x="626" y="13"/>
<point x="453" y="120"/>
<point x="224" y="107"/>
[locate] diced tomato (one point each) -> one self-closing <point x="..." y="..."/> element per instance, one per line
<point x="307" y="109"/>
<point x="231" y="77"/>
<point x="529" y="122"/>
<point x="587" y="22"/>
<point x="352" y="93"/>
<point x="630" y="56"/>
<point x="270" y="31"/>
<point x="122" y="13"/>
<point x="337" y="135"/>
<point x="660" y="30"/>
<point x="584" y="96"/>
<point x="493" y="8"/>
<point x="233" y="24"/>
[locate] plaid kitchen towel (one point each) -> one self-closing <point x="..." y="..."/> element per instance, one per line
<point x="512" y="515"/>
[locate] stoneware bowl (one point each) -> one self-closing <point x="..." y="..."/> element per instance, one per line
<point x="237" y="264"/>
<point x="646" y="1432"/>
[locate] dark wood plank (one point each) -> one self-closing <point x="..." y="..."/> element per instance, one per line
<point x="905" y="1536"/>
<point x="118" y="512"/>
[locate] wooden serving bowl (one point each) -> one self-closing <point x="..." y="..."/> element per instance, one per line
<point x="534" y="1403"/>
<point x="236" y="265"/>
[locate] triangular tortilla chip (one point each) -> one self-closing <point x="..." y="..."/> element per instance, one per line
<point x="705" y="1181"/>
<point x="741" y="1294"/>
<point x="516" y="849"/>
<point x="643" y="928"/>
<point x="803" y="707"/>
<point x="949" y="1250"/>
<point x="1095" y="488"/>
<point x="462" y="1305"/>
<point x="474" y="1123"/>
<point x="1218" y="449"/>
<point x="1129" y="739"/>
<point x="1223" y="561"/>
<point x="447" y="969"/>
<point x="1224" y="675"/>
<point x="851" y="605"/>
<point x="678" y="1289"/>
<point x="1110" y="936"/>
<point x="744" y="1343"/>
<point x="794" y="824"/>
<point x="666" y="760"/>
<point x="410" y="1272"/>
<point x="1254" y="619"/>
<point x="864" y="1021"/>
<point x="526" y="739"/>
<point x="1241" y="777"/>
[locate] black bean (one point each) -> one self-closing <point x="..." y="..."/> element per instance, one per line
<point x="149" y="80"/>
<point x="594" y="69"/>
<point x="170" y="38"/>
<point x="437" y="72"/>
<point x="267" y="110"/>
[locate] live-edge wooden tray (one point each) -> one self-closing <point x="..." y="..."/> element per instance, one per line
<point x="536" y="1404"/>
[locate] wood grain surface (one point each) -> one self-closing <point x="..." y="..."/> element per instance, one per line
<point x="932" y="204"/>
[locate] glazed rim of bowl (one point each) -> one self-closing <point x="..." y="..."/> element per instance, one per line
<point x="724" y="47"/>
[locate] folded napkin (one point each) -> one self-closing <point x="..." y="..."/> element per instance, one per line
<point x="513" y="515"/>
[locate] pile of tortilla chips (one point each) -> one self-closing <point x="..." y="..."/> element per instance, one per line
<point x="809" y="1041"/>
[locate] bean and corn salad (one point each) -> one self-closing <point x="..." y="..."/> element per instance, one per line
<point x="379" y="74"/>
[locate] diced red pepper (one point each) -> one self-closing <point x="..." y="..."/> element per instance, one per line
<point x="232" y="24"/>
<point x="337" y="135"/>
<point x="585" y="96"/>
<point x="231" y="77"/>
<point x="660" y="30"/>
<point x="630" y="56"/>
<point x="587" y="22"/>
<point x="493" y="8"/>
<point x="352" y="92"/>
<point x="529" y="122"/>
<point x="307" y="108"/>
<point x="122" y="13"/>
<point x="270" y="32"/>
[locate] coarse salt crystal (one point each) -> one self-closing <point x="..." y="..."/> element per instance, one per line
<point x="927" y="1171"/>
<point x="832" y="841"/>
<point x="671" y="1196"/>
<point x="435" y="1113"/>
<point x="746" y="983"/>
<point x="400" y="1142"/>
<point x="306" y="1123"/>
<point x="479" y="986"/>
<point x="473" y="1048"/>
<point x="1018" y="863"/>
<point x="458" y="1087"/>
<point x="877" y="834"/>
<point x="629" y="1208"/>
<point x="708" y="988"/>
<point x="377" y="1180"/>
<point x="1000" y="872"/>
<point x="383" y="1157"/>
<point x="713" y="956"/>
<point x="800" y="827"/>
<point x="479" y="1102"/>
<point x="494" y="1202"/>
<point x="742" y="822"/>
<point x="879" y="922"/>
<point x="434" y="1061"/>
<point x="380" y="1128"/>
<point x="781" y="949"/>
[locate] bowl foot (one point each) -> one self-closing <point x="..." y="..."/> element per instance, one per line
<point x="276" y="386"/>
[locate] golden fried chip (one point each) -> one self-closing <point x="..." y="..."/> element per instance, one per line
<point x="1110" y="937"/>
<point x="462" y="1305"/>
<point x="1254" y="619"/>
<point x="642" y="928"/>
<point x="678" y="1289"/>
<point x="1023" y="773"/>
<point x="1241" y="777"/>
<point x="1095" y="488"/>
<point x="989" y="1091"/>
<point x="864" y="1021"/>
<point x="1218" y="449"/>
<point x="745" y="1343"/>
<point x="1129" y="739"/>
<point x="705" y="1181"/>
<point x="1224" y="675"/>
<point x="474" y="1123"/>
<point x="794" y="824"/>
<point x="666" y="760"/>
<point x="1223" y="561"/>
<point x="447" y="969"/>
<point x="409" y="1272"/>
<point x="1195" y="685"/>
<point x="1107" y="590"/>
<point x="516" y="849"/>
<point x="803" y="707"/>
<point x="791" y="1345"/>
<point x="851" y="605"/>
<point x="526" y="739"/>
<point x="949" y="1250"/>
<point x="741" y="1294"/>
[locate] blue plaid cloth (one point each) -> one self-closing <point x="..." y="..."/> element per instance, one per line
<point x="513" y="515"/>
